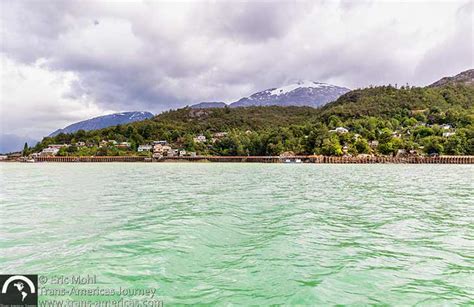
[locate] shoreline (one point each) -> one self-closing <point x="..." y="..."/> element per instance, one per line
<point x="264" y="159"/>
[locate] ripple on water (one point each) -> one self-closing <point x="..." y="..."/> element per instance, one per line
<point x="247" y="233"/>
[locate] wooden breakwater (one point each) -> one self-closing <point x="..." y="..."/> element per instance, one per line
<point x="92" y="159"/>
<point x="272" y="159"/>
<point x="398" y="160"/>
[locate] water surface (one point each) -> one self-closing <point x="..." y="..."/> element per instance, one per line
<point x="247" y="233"/>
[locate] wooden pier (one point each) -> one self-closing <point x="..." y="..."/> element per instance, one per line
<point x="272" y="159"/>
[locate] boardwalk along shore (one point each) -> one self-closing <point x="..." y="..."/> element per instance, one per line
<point x="269" y="159"/>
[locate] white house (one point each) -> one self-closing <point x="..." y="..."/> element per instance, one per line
<point x="445" y="126"/>
<point x="144" y="147"/>
<point x="340" y="130"/>
<point x="397" y="134"/>
<point x="49" y="151"/>
<point x="200" y="138"/>
<point x="448" y="134"/>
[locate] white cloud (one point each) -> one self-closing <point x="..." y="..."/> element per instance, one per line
<point x="36" y="101"/>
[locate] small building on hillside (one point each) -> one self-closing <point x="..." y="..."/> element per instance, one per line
<point x="445" y="126"/>
<point x="448" y="134"/>
<point x="49" y="151"/>
<point x="219" y="135"/>
<point x="80" y="144"/>
<point x="124" y="145"/>
<point x="374" y="143"/>
<point x="162" y="142"/>
<point x="345" y="149"/>
<point x="341" y="130"/>
<point x="158" y="148"/>
<point x="161" y="149"/>
<point x="144" y="147"/>
<point x="58" y="146"/>
<point x="396" y="134"/>
<point x="172" y="153"/>
<point x="200" y="139"/>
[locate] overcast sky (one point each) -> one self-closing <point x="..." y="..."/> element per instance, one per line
<point x="65" y="61"/>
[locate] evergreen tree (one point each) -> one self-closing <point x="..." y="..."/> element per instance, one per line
<point x="26" y="150"/>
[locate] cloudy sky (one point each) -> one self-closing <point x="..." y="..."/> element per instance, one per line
<point x="65" y="61"/>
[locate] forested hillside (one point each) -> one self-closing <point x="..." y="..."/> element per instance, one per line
<point x="379" y="120"/>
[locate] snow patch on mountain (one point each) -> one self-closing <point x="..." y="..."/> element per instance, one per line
<point x="299" y="93"/>
<point x="300" y="84"/>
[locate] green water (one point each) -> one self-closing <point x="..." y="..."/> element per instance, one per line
<point x="247" y="233"/>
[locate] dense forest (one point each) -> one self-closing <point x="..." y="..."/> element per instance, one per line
<point x="379" y="120"/>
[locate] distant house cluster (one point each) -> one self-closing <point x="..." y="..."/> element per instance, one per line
<point x="122" y="145"/>
<point x="157" y="148"/>
<point x="51" y="150"/>
<point x="163" y="149"/>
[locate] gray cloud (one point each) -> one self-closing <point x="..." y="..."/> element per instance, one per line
<point x="160" y="55"/>
<point x="453" y="54"/>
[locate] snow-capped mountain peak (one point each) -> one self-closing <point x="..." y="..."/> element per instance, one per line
<point x="298" y="84"/>
<point x="298" y="93"/>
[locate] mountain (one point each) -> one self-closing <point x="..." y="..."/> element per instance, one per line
<point x="426" y="119"/>
<point x="105" y="121"/>
<point x="300" y="93"/>
<point x="14" y="143"/>
<point x="466" y="77"/>
<point x="209" y="105"/>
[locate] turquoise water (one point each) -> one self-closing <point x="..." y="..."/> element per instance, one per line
<point x="247" y="233"/>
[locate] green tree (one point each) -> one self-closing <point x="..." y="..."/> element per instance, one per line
<point x="362" y="146"/>
<point x="433" y="145"/>
<point x="332" y="147"/>
<point x="454" y="145"/>
<point x="72" y="149"/>
<point x="26" y="150"/>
